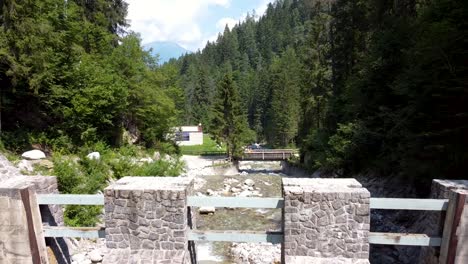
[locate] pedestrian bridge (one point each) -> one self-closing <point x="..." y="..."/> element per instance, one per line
<point x="269" y="154"/>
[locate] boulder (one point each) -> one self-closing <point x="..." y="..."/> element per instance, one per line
<point x="207" y="210"/>
<point x="249" y="182"/>
<point x="79" y="257"/>
<point x="146" y="160"/>
<point x="25" y="165"/>
<point x="94" y="156"/>
<point x="95" y="256"/>
<point x="46" y="164"/>
<point x="33" y="155"/>
<point x="235" y="190"/>
<point x="210" y="192"/>
<point x="157" y="155"/>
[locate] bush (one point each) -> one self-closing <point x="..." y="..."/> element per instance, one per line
<point x="159" y="168"/>
<point x="68" y="174"/>
<point x="79" y="215"/>
<point x="87" y="176"/>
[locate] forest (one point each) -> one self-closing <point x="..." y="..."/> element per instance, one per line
<point x="72" y="74"/>
<point x="358" y="86"/>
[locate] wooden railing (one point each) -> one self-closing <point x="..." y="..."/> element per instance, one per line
<point x="72" y="199"/>
<point x="274" y="237"/>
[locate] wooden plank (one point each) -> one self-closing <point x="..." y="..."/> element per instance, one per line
<point x="409" y="204"/>
<point x="83" y="232"/>
<point x="236" y="236"/>
<point x="403" y="239"/>
<point x="34" y="224"/>
<point x="235" y="202"/>
<point x="452" y="221"/>
<point x="78" y="199"/>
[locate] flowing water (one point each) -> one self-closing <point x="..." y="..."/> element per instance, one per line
<point x="267" y="179"/>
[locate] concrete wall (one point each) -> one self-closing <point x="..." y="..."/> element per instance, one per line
<point x="147" y="219"/>
<point x="21" y="219"/>
<point x="462" y="233"/>
<point x="325" y="220"/>
<point x="432" y="223"/>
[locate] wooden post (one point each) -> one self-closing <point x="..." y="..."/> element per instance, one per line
<point x="34" y="222"/>
<point x="450" y="238"/>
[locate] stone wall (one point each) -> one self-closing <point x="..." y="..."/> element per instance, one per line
<point x="325" y="220"/>
<point x="147" y="218"/>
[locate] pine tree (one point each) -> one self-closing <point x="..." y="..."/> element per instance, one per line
<point x="284" y="112"/>
<point x="229" y="124"/>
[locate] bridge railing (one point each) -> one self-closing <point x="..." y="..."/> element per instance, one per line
<point x="274" y="237"/>
<point x="406" y="204"/>
<point x="250" y="202"/>
<point x="453" y="209"/>
<point x="72" y="199"/>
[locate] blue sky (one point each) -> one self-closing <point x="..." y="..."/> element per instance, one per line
<point x="189" y="23"/>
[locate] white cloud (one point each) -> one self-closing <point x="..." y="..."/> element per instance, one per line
<point x="231" y="22"/>
<point x="262" y="7"/>
<point x="170" y="20"/>
<point x="176" y="20"/>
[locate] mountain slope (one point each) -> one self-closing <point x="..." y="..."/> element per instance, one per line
<point x="166" y="50"/>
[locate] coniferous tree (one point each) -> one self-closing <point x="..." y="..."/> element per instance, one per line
<point x="229" y="124"/>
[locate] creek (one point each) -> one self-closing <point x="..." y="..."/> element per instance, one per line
<point x="215" y="177"/>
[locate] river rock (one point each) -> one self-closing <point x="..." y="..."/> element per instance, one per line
<point x="210" y="192"/>
<point x="86" y="261"/>
<point x="25" y="165"/>
<point x="249" y="182"/>
<point x="235" y="190"/>
<point x="95" y="256"/>
<point x="94" y="156"/>
<point x="207" y="210"/>
<point x="33" y="155"/>
<point x="157" y="155"/>
<point x="79" y="257"/>
<point x="256" y="253"/>
<point x="46" y="164"/>
<point x="146" y="160"/>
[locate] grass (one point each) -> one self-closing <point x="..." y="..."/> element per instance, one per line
<point x="209" y="147"/>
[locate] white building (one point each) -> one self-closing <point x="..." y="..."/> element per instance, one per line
<point x="189" y="135"/>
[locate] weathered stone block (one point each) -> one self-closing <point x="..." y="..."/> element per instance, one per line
<point x="320" y="215"/>
<point x="152" y="211"/>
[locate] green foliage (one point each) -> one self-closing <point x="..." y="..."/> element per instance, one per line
<point x="357" y="85"/>
<point x="80" y="215"/>
<point x="80" y="76"/>
<point x="80" y="175"/>
<point x="284" y="112"/>
<point x="67" y="173"/>
<point x="229" y="124"/>
<point x="159" y="168"/>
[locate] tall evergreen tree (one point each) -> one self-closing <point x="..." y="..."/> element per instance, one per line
<point x="284" y="112"/>
<point x="229" y="124"/>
